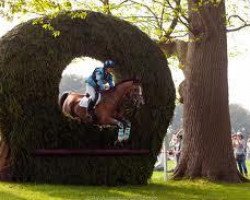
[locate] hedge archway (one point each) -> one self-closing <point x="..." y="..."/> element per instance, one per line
<point x="31" y="63"/>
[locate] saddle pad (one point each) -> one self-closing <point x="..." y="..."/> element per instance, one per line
<point x="84" y="102"/>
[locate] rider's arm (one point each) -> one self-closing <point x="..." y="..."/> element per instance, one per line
<point x="100" y="81"/>
<point x="111" y="81"/>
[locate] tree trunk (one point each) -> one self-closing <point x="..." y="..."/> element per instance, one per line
<point x="175" y="47"/>
<point x="4" y="161"/>
<point x="207" y="151"/>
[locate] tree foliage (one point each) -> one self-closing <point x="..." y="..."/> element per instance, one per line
<point x="158" y="18"/>
<point x="153" y="17"/>
<point x="162" y="20"/>
<point x="240" y="118"/>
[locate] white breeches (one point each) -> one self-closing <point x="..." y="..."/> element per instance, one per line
<point x="91" y="91"/>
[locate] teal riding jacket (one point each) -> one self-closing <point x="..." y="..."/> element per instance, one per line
<point x="99" y="78"/>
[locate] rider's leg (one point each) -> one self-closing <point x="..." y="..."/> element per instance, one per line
<point x="90" y="107"/>
<point x="93" y="97"/>
<point x="91" y="91"/>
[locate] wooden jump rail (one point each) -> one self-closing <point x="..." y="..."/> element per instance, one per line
<point x="90" y="152"/>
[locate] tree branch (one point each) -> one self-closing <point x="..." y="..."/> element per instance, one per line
<point x="149" y="9"/>
<point x="236" y="16"/>
<point x="178" y="17"/>
<point x="162" y="15"/>
<point x="184" y="23"/>
<point x="106" y="6"/>
<point x="174" y="21"/>
<point x="177" y="8"/>
<point x="179" y="36"/>
<point x="238" y="28"/>
<point x="125" y="1"/>
<point x="245" y="24"/>
<point x="139" y="16"/>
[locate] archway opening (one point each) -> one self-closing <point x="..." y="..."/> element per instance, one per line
<point x="74" y="75"/>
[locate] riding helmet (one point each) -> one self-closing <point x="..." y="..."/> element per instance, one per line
<point x="109" y="64"/>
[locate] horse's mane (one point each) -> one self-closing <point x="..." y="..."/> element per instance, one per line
<point x="119" y="83"/>
<point x="127" y="80"/>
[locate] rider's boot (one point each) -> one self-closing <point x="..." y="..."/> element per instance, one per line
<point x="90" y="110"/>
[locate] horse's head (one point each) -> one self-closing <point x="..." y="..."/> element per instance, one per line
<point x="136" y="96"/>
<point x="128" y="93"/>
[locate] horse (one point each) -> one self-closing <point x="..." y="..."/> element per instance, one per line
<point x="112" y="108"/>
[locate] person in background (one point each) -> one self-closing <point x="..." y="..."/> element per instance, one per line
<point x="248" y="148"/>
<point x="178" y="145"/>
<point x="234" y="142"/>
<point x="240" y="152"/>
<point x="101" y="79"/>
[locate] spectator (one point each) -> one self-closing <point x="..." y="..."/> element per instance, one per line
<point x="240" y="151"/>
<point x="178" y="145"/>
<point x="248" y="148"/>
<point x="234" y="142"/>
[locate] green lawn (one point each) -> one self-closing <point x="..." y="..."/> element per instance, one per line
<point x="156" y="189"/>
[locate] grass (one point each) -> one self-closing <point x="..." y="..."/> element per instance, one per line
<point x="156" y="189"/>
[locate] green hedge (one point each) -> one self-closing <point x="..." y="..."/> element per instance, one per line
<point x="31" y="64"/>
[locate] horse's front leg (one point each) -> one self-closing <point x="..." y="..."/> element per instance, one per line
<point x="120" y="124"/>
<point x="121" y="130"/>
<point x="127" y="128"/>
<point x="111" y="121"/>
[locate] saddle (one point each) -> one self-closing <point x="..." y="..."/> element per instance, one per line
<point x="85" y="101"/>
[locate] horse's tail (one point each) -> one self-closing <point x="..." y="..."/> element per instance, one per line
<point x="62" y="99"/>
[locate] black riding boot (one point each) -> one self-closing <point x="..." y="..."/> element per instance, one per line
<point x="90" y="109"/>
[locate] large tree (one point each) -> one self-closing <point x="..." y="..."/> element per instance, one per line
<point x="207" y="150"/>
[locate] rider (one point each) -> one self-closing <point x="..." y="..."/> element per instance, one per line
<point x="98" y="81"/>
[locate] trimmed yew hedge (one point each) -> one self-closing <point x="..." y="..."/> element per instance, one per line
<point x="31" y="64"/>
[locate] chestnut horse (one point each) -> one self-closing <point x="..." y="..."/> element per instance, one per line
<point x="111" y="108"/>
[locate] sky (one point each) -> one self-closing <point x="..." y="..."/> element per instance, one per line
<point x="238" y="64"/>
<point x="239" y="68"/>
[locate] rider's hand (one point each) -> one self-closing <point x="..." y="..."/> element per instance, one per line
<point x="106" y="87"/>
